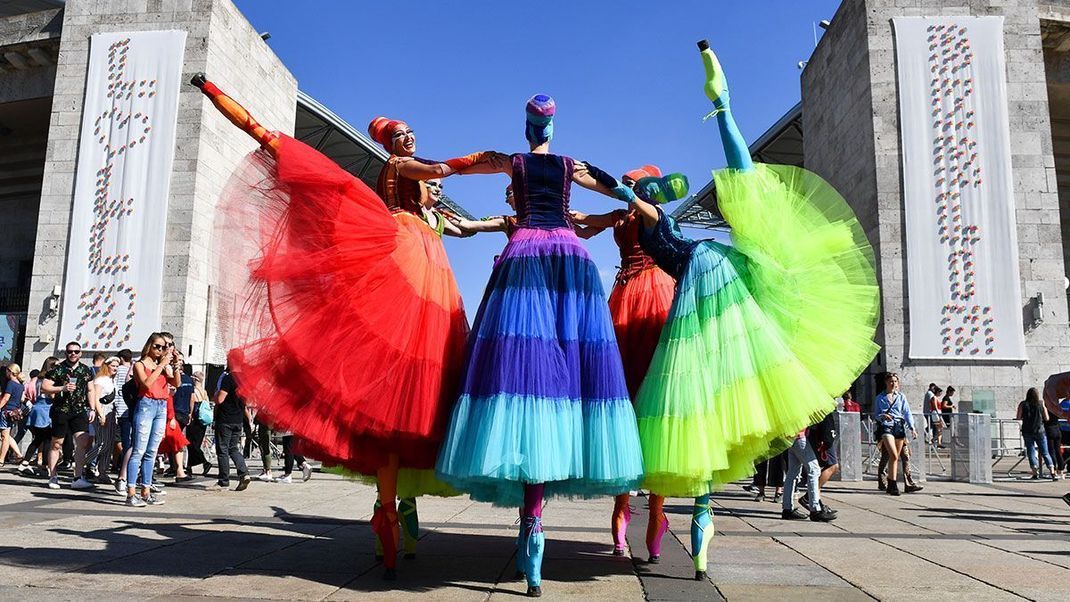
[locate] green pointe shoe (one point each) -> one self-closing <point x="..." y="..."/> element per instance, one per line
<point x="716" y="86"/>
<point x="410" y="526"/>
<point x="378" y="542"/>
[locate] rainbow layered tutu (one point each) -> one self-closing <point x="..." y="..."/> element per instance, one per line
<point x="761" y="335"/>
<point x="543" y="398"/>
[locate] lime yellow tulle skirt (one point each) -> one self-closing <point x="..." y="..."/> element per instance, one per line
<point x="762" y="334"/>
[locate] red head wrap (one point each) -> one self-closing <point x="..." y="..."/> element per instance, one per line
<point x="381" y="129"/>
<point x="646" y="171"/>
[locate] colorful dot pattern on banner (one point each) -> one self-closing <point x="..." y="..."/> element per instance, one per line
<point x="107" y="312"/>
<point x="966" y="325"/>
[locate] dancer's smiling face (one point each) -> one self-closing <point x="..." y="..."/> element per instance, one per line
<point x="403" y="140"/>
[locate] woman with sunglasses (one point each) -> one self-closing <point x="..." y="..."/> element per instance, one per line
<point x="762" y="334"/>
<point x="153" y="372"/>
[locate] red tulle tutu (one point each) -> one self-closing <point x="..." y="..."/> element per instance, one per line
<point x="347" y="325"/>
<point x="639" y="308"/>
<point x="173" y="440"/>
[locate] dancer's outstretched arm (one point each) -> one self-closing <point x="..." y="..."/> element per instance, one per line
<point x="735" y="148"/>
<point x="469" y="227"/>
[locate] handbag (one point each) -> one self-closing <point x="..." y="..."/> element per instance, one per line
<point x="205" y="413"/>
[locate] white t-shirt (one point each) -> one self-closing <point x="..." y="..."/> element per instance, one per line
<point x="106" y="384"/>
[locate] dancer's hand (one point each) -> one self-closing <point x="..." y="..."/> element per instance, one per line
<point x="578" y="216"/>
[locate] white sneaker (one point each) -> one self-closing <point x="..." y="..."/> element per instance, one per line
<point x="120" y="485"/>
<point x="306" y="471"/>
<point x="157" y="489"/>
<point x="81" y="483"/>
<point x="154" y="501"/>
<point x="135" y="501"/>
<point x="265" y="477"/>
<point x="53" y="483"/>
<point x="286" y="479"/>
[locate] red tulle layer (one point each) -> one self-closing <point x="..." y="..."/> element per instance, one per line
<point x="639" y="308"/>
<point x="173" y="440"/>
<point x="349" y="324"/>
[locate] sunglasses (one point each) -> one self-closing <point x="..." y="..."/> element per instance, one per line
<point x="74" y="351"/>
<point x="159" y="347"/>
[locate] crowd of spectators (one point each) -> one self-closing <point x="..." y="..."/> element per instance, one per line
<point x="127" y="420"/>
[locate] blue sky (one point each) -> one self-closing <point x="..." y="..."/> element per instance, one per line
<point x="626" y="77"/>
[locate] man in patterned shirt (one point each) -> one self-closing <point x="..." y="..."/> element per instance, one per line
<point x="72" y="399"/>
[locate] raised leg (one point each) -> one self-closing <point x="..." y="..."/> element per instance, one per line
<point x="735" y="147"/>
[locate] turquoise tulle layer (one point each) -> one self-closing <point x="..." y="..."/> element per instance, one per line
<point x="577" y="449"/>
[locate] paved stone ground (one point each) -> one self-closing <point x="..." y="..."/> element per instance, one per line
<point x="1010" y="540"/>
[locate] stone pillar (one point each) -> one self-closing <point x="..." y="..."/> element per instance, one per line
<point x="849" y="446"/>
<point x="971" y="448"/>
<point x="918" y="452"/>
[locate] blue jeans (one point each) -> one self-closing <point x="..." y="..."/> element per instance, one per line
<point x="150" y="420"/>
<point x="1032" y="442"/>
<point x="126" y="431"/>
<point x="801" y="453"/>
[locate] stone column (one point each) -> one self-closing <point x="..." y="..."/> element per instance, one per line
<point x="849" y="446"/>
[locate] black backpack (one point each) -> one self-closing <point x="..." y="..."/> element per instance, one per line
<point x="824" y="431"/>
<point x="129" y="392"/>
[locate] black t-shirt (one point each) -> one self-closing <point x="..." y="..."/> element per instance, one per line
<point x="231" y="411"/>
<point x="1032" y="417"/>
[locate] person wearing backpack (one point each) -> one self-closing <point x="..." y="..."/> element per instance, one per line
<point x="823" y="437"/>
<point x="202" y="418"/>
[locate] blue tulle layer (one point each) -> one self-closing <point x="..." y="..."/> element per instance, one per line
<point x="544" y="398"/>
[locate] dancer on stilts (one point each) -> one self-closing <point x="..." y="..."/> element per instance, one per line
<point x="544" y="407"/>
<point x="761" y="334"/>
<point x="359" y="299"/>
<point x="639" y="304"/>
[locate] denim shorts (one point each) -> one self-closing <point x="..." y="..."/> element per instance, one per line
<point x="896" y="430"/>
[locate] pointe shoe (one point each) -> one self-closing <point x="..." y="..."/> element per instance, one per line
<point x="534" y="546"/>
<point x="385" y="526"/>
<point x="621" y="518"/>
<point x="378" y="540"/>
<point x="701" y="534"/>
<point x="716" y="86"/>
<point x="410" y="526"/>
<point x="653" y="545"/>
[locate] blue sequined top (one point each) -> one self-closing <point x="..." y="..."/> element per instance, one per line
<point x="669" y="248"/>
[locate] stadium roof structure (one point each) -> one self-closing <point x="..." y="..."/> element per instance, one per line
<point x="782" y="143"/>
<point x="320" y="128"/>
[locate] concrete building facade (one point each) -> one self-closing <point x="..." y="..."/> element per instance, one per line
<point x="850" y="116"/>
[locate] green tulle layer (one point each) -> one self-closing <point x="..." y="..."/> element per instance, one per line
<point x="761" y="335"/>
<point x="412" y="482"/>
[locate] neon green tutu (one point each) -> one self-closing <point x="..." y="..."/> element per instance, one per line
<point x="412" y="482"/>
<point x="761" y="335"/>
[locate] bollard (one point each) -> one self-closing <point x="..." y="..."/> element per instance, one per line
<point x="849" y="445"/>
<point x="971" y="448"/>
<point x="919" y="451"/>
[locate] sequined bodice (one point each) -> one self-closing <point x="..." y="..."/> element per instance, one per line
<point x="632" y="257"/>
<point x="668" y="247"/>
<point x="542" y="184"/>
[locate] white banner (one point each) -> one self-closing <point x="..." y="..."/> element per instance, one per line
<point x="962" y="245"/>
<point x="115" y="255"/>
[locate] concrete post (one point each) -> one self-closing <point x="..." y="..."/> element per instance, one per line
<point x="849" y="446"/>
<point x="971" y="448"/>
